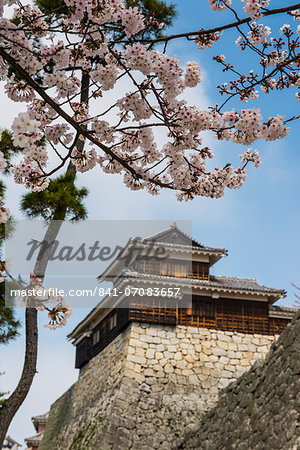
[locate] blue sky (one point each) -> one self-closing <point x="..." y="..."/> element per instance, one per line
<point x="258" y="224"/>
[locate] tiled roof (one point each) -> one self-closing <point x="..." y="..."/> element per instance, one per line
<point x="10" y="440"/>
<point x="283" y="308"/>
<point x="187" y="239"/>
<point x="282" y="311"/>
<point x="40" y="418"/>
<point x="249" y="284"/>
<point x="235" y="283"/>
<point x="34" y="439"/>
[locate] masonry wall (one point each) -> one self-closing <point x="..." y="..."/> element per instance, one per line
<point x="261" y="410"/>
<point x="149" y="387"/>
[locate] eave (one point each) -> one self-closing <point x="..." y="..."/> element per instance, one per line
<point x="83" y="329"/>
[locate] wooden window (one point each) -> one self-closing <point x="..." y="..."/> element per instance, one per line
<point x="200" y="270"/>
<point x="83" y="353"/>
<point x="175" y="268"/>
<point x="204" y="309"/>
<point x="96" y="337"/>
<point x="107" y="325"/>
<point x="113" y="321"/>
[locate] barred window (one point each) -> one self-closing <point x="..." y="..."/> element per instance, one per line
<point x="204" y="309"/>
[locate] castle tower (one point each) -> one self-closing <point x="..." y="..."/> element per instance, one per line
<point x="164" y="341"/>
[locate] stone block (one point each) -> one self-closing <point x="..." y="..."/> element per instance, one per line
<point x="189" y="358"/>
<point x="137" y="368"/>
<point x="232" y="346"/>
<point x="192" y="330"/>
<point x="242" y="347"/>
<point x="169" y="368"/>
<point x="219" y="351"/>
<point x="135" y="343"/>
<point x="161" y="333"/>
<point x="213" y="358"/>
<point x="226" y="374"/>
<point x="151" y="362"/>
<point x="223" y="345"/>
<point x="136" y="359"/>
<point x="152" y="331"/>
<point x="160" y="374"/>
<point x="224" y="360"/>
<point x="184" y="345"/>
<point x="193" y="379"/>
<point x="224" y="382"/>
<point x="172" y="348"/>
<point x="147" y="338"/>
<point x="180" y="335"/>
<point x="139" y="351"/>
<point x="181" y="364"/>
<point x="247" y="355"/>
<point x="178" y="356"/>
<point x="244" y="362"/>
<point x="219" y="366"/>
<point x="150" y="353"/>
<point x="223" y="337"/>
<point x="170" y="335"/>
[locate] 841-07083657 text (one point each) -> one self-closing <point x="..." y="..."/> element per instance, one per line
<point x="141" y="292"/>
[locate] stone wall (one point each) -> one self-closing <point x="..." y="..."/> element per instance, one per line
<point x="261" y="410"/>
<point x="149" y="387"/>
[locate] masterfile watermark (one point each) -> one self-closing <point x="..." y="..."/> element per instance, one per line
<point x="41" y="293"/>
<point x="61" y="252"/>
<point x="130" y="259"/>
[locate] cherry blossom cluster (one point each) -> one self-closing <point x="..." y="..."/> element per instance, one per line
<point x="28" y="135"/>
<point x="219" y="5"/>
<point x="252" y="7"/>
<point x="63" y="79"/>
<point x="206" y="40"/>
<point x="251" y="155"/>
<point x="259" y="33"/>
<point x="84" y="160"/>
<point x="58" y="314"/>
<point x="3" y="163"/>
<point x="37" y="296"/>
<point x="280" y="54"/>
<point x="249" y="128"/>
<point x="2" y="271"/>
<point x="154" y="22"/>
<point x="4" y="212"/>
<point x="295" y="14"/>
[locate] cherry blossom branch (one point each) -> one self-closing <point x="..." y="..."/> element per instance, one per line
<point x="228" y="26"/>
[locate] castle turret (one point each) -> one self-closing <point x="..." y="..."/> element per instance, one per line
<point x="142" y="282"/>
<point x="156" y="352"/>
